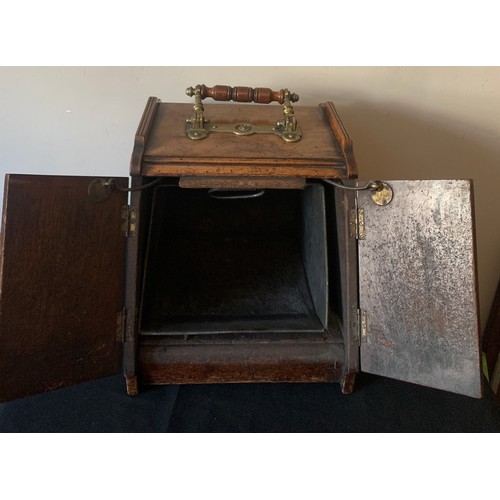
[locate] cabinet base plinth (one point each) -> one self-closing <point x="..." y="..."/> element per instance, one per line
<point x="240" y="363"/>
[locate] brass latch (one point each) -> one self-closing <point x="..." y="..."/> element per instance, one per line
<point x="198" y="127"/>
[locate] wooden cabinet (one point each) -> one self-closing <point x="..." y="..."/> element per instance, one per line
<point x="235" y="259"/>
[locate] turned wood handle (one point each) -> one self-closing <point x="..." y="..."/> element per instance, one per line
<point x="243" y="94"/>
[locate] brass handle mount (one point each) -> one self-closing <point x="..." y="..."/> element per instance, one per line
<point x="197" y="127"/>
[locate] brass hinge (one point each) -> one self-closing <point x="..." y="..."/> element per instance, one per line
<point x="121" y="323"/>
<point x="129" y="220"/>
<point x="359" y="322"/>
<point x="357" y="223"/>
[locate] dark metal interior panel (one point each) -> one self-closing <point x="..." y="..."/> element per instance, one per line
<point x="226" y="265"/>
<point x="62" y="284"/>
<point x="418" y="286"/>
<point x="314" y="249"/>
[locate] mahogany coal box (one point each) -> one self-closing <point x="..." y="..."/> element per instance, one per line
<point x="242" y="248"/>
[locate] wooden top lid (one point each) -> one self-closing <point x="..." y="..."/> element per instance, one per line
<point x="323" y="151"/>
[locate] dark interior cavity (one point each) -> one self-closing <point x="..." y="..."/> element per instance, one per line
<point x="235" y="265"/>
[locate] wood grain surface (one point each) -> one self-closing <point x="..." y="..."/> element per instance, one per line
<point x="318" y="154"/>
<point x="62" y="284"/>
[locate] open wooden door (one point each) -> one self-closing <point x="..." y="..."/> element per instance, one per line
<point x="417" y="286"/>
<point x="61" y="284"/>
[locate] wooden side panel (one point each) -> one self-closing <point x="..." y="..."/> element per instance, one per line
<point x="142" y="134"/>
<point x="346" y="283"/>
<point x="342" y="137"/>
<point x="62" y="284"/>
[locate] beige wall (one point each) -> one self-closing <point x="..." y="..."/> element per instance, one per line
<point x="406" y="123"/>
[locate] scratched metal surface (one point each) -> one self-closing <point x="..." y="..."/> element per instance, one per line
<point x="418" y="285"/>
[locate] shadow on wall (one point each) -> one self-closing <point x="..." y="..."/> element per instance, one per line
<point x="393" y="144"/>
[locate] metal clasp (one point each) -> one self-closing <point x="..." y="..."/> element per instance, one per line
<point x="381" y="192"/>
